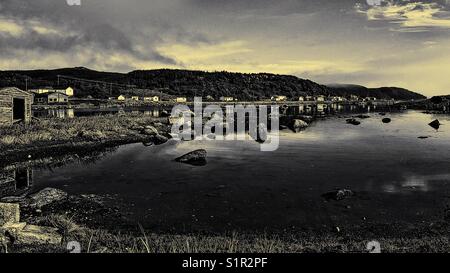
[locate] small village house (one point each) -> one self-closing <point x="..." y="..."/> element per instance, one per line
<point x="135" y="98"/>
<point x="279" y="98"/>
<point x="320" y="99"/>
<point x="181" y="99"/>
<point x="226" y="99"/>
<point x="121" y="98"/>
<point x="15" y="106"/>
<point x="309" y="98"/>
<point x="301" y="98"/>
<point x="151" y="99"/>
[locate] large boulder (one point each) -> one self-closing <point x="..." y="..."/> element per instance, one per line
<point x="45" y="197"/>
<point x="197" y="158"/>
<point x="37" y="235"/>
<point x="297" y="125"/>
<point x="9" y="213"/>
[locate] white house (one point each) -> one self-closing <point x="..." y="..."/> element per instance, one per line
<point x="227" y="99"/>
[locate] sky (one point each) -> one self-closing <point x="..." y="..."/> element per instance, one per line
<point x="369" y="42"/>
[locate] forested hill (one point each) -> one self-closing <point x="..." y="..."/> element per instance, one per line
<point x="183" y="83"/>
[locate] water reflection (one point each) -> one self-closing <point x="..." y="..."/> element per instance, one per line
<point x="16" y="182"/>
<point x="320" y="109"/>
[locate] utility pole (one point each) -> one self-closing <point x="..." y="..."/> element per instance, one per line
<point x="26" y="84"/>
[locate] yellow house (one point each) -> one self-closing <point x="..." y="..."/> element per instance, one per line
<point x="121" y="98"/>
<point x="301" y="98"/>
<point x="69" y="91"/>
<point x="181" y="100"/>
<point x="135" y="98"/>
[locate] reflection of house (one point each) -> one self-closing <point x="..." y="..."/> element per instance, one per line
<point x="15" y="105"/>
<point x="151" y="99"/>
<point x="279" y="98"/>
<point x="226" y="99"/>
<point x="336" y="99"/>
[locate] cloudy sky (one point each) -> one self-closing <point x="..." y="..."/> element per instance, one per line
<point x="370" y="42"/>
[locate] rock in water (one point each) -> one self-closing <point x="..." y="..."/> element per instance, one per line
<point x="150" y="130"/>
<point x="45" y="197"/>
<point x="338" y="195"/>
<point x="297" y="125"/>
<point x="156" y="140"/>
<point x="353" y="121"/>
<point x="435" y="124"/>
<point x="386" y="120"/>
<point x="196" y="158"/>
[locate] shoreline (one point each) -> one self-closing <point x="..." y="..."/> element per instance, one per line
<point x="99" y="221"/>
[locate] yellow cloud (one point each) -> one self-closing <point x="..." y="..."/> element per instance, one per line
<point x="411" y="17"/>
<point x="203" y="51"/>
<point x="10" y="27"/>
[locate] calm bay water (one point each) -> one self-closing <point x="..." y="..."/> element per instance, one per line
<point x="397" y="177"/>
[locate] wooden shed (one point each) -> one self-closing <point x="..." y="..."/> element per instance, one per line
<point x="15" y="106"/>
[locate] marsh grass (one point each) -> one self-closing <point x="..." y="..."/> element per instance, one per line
<point x="54" y="130"/>
<point x="143" y="241"/>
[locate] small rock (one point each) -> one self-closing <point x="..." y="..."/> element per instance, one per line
<point x="386" y="120"/>
<point x="353" y="121"/>
<point x="338" y="195"/>
<point x="196" y="158"/>
<point x="149" y="130"/>
<point x="435" y="124"/>
<point x="156" y="140"/>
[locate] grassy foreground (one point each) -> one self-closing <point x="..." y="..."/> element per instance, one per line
<point x="102" y="241"/>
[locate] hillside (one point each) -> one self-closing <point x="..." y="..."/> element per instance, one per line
<point x="380" y="93"/>
<point x="187" y="83"/>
